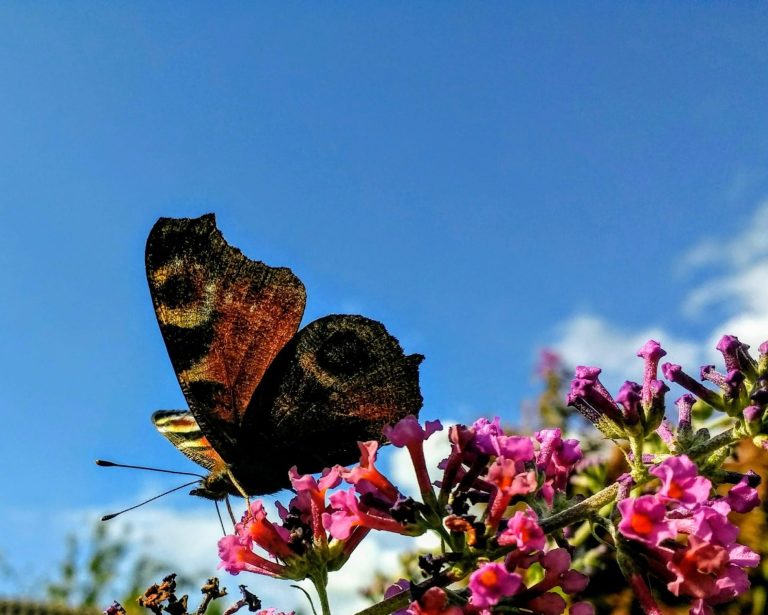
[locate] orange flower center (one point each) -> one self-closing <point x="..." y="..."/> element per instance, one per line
<point x="675" y="491"/>
<point x="489" y="577"/>
<point x="642" y="524"/>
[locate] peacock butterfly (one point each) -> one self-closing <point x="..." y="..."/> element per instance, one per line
<point x="264" y="396"/>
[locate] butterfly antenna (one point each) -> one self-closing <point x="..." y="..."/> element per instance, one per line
<point x="221" y="521"/>
<point x="112" y="464"/>
<point x="113" y="515"/>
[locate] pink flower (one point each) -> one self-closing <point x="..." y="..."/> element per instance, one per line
<point x="433" y="602"/>
<point x="329" y="479"/>
<point x="409" y="433"/>
<point x="588" y="395"/>
<point x="508" y="482"/>
<point x="523" y="531"/>
<point x="236" y="556"/>
<point x="697" y="568"/>
<point x="486" y="433"/>
<point x="741" y="497"/>
<point x="492" y="582"/>
<point x="629" y="396"/>
<point x="367" y="472"/>
<point x="316" y="491"/>
<point x="519" y="448"/>
<point x="348" y="513"/>
<point x="711" y="523"/>
<point x="709" y="566"/>
<point x="345" y="515"/>
<point x="651" y="352"/>
<point x="643" y="519"/>
<point x="556" y="457"/>
<point x="681" y="483"/>
<point x="548" y="603"/>
<point x="257" y="529"/>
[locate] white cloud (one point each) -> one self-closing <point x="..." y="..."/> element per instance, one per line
<point x="740" y="287"/>
<point x="735" y="252"/>
<point x="743" y="289"/>
<point x="587" y="339"/>
<point x="378" y="553"/>
<point x="735" y="284"/>
<point x="436" y="448"/>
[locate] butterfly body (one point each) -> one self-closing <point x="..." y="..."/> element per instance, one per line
<point x="263" y="395"/>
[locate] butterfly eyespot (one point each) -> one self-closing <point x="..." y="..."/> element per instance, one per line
<point x="184" y="293"/>
<point x="344" y="353"/>
<point x="181" y="290"/>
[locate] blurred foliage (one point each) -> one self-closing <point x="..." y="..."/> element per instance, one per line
<point x="95" y="571"/>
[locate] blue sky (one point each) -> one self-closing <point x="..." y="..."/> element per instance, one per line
<point x="486" y="179"/>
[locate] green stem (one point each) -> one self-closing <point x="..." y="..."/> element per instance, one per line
<point x="580" y="511"/>
<point x="320" y="581"/>
<point x="710" y="446"/>
<point x="390" y="605"/>
<point x="639" y="471"/>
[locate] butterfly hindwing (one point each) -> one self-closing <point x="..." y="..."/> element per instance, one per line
<point x="182" y="430"/>
<point x="340" y="380"/>
<point x="223" y="317"/>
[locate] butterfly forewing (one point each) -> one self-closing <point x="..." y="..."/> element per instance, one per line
<point x="223" y="317"/>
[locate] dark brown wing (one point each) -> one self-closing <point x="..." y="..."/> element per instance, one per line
<point x="337" y="382"/>
<point x="223" y="317"/>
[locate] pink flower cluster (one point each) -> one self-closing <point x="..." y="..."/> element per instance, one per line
<point x="501" y="584"/>
<point x="484" y="458"/>
<point x="285" y="543"/>
<point x="503" y="470"/>
<point x="637" y="409"/>
<point x="309" y="522"/>
<point x="691" y="542"/>
<point x="373" y="502"/>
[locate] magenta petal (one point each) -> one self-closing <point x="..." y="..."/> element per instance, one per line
<point x="742" y="498"/>
<point x="547" y="604"/>
<point x="581" y="608"/>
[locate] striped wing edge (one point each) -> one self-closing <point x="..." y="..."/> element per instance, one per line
<point x="181" y="430"/>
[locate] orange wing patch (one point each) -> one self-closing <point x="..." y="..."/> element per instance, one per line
<point x="224" y="318"/>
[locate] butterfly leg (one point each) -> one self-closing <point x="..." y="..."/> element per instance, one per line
<point x="240" y="489"/>
<point x="229" y="508"/>
<point x="221" y="521"/>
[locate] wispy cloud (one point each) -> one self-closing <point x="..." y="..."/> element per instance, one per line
<point x="735" y="282"/>
<point x="734" y="252"/>
<point x="587" y="339"/>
